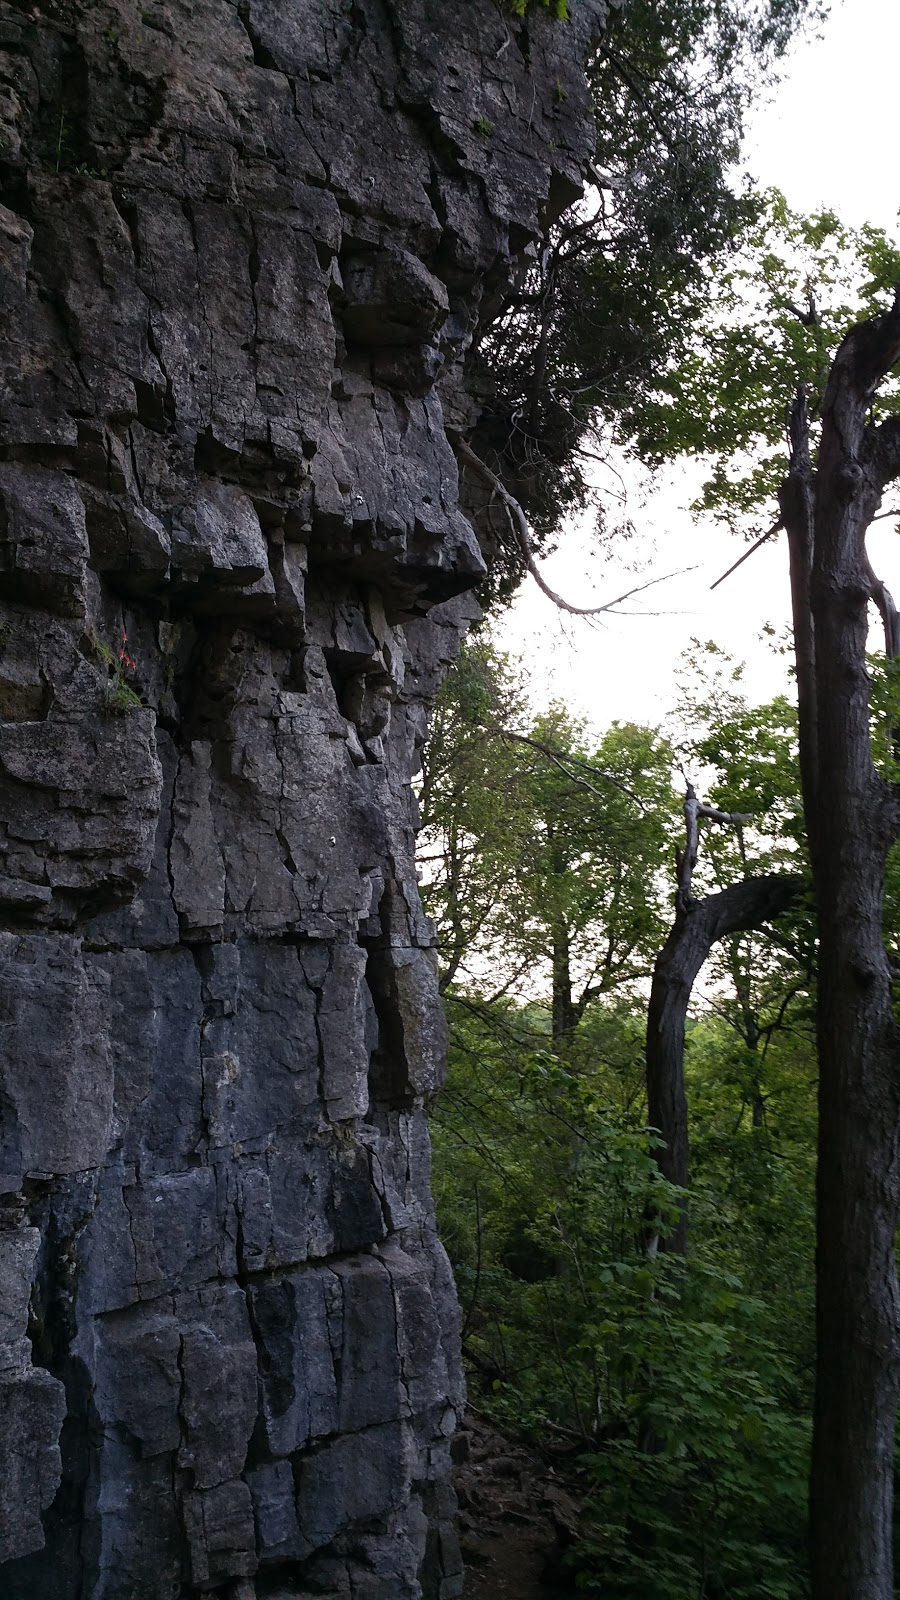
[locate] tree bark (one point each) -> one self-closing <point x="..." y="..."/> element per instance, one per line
<point x="852" y="818"/>
<point x="563" y="1015"/>
<point x="698" y="925"/>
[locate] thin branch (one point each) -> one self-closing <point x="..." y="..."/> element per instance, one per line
<point x="520" y="523"/>
<point x="790" y="946"/>
<point x="768" y="1028"/>
<point x="559" y="758"/>
<point x="747" y="554"/>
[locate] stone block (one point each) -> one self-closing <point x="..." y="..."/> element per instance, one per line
<point x="350" y="1479"/>
<point x="219" y="1381"/>
<point x="220" y="1532"/>
<point x="32" y="1410"/>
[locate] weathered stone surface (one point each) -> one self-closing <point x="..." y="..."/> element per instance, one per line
<point x="32" y="1403"/>
<point x="244" y="248"/>
<point x="32" y="1409"/>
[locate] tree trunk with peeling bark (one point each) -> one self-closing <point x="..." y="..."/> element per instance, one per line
<point x="852" y="820"/>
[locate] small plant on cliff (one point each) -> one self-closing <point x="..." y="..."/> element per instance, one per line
<point x="118" y="697"/>
<point x="560" y="8"/>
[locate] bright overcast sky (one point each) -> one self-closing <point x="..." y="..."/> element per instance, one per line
<point x="828" y="138"/>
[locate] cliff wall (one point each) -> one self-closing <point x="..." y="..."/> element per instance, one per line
<point x="243" y="248"/>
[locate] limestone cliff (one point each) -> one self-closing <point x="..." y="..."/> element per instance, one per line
<point x="243" y="249"/>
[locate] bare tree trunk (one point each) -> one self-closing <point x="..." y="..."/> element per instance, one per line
<point x="852" y="820"/>
<point x="698" y="925"/>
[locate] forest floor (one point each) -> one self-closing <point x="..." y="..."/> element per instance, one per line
<point x="518" y="1515"/>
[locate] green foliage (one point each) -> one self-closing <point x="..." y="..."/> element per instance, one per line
<point x="468" y="848"/>
<point x="678" y="1379"/>
<point x="885" y="708"/>
<point x="775" y="317"/>
<point x="753" y="1130"/>
<point x="616" y="299"/>
<point x="118" y="696"/>
<point x="119" y="699"/>
<point x="717" y="1509"/>
<point x="885" y="723"/>
<point x="573" y="857"/>
<point x="746" y="758"/>
<point x="518" y="8"/>
<point x="686" y="1385"/>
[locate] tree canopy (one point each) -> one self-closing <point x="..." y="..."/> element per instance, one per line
<point x="776" y="315"/>
<point x="679" y="317"/>
<point x="567" y="870"/>
<point x="578" y="347"/>
<point x="685" y="1383"/>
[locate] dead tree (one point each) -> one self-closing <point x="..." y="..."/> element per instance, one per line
<point x="698" y="924"/>
<point x="852" y="820"/>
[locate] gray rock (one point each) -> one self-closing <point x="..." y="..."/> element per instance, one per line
<point x="218" y="1369"/>
<point x="277" y="1529"/>
<point x="220" y="1532"/>
<point x="233" y="569"/>
<point x="351" y="1479"/>
<point x="294" y="1319"/>
<point x="32" y="1410"/>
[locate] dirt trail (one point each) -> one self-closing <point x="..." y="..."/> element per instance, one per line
<point x="518" y="1516"/>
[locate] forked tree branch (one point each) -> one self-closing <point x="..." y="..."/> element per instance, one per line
<point x="865" y="355"/>
<point x="746" y="905"/>
<point x="686" y="860"/>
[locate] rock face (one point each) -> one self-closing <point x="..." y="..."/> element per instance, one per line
<point x="243" y="250"/>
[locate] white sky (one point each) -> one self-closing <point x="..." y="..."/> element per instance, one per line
<point x="829" y="137"/>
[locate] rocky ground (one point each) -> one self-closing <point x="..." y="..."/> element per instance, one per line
<point x="518" y="1515"/>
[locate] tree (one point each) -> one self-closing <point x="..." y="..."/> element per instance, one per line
<point x="469" y="846"/>
<point x="575" y="351"/>
<point x="777" y="312"/>
<point x="557" y="890"/>
<point x="748" y="903"/>
<point x="591" y="884"/>
<point x="544" y="1175"/>
<point x="853" y="820"/>
<point x="843" y="449"/>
